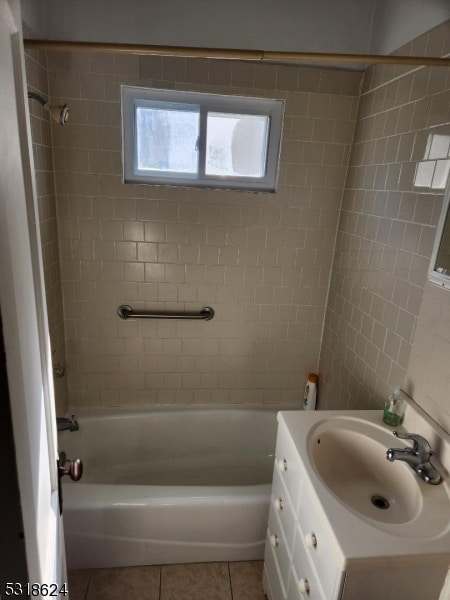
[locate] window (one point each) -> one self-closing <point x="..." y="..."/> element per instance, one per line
<point x="201" y="140"/>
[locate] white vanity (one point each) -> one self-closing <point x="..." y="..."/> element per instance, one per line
<point x="347" y="524"/>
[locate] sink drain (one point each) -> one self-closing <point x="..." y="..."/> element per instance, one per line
<point x="380" y="502"/>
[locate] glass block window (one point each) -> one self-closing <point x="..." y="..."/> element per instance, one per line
<point x="201" y="140"/>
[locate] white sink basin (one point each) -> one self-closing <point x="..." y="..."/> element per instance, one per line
<point x="349" y="455"/>
<point x="355" y="468"/>
<point x="376" y="506"/>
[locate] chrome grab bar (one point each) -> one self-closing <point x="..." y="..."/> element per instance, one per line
<point x="126" y="312"/>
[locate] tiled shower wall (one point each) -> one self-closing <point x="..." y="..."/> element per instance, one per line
<point x="262" y="261"/>
<point x="386" y="233"/>
<point x="37" y="80"/>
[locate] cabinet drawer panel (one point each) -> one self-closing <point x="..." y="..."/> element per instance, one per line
<point x="274" y="587"/>
<point x="278" y="544"/>
<point x="319" y="544"/>
<point x="282" y="506"/>
<point x="288" y="465"/>
<point x="303" y="570"/>
<point x="295" y="592"/>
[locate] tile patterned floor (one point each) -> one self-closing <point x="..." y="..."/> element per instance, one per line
<point x="197" y="581"/>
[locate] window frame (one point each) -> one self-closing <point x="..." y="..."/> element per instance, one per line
<point x="133" y="97"/>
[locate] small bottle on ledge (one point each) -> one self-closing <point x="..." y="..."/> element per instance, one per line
<point x="394" y="407"/>
<point x="310" y="396"/>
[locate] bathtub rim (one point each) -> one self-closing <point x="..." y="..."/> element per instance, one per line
<point x="144" y="495"/>
<point x="93" y="412"/>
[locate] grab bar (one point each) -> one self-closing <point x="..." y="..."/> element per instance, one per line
<point x="126" y="312"/>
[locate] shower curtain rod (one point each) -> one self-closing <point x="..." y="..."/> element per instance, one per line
<point x="269" y="56"/>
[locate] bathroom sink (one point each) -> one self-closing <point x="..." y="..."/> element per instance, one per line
<point x="354" y="467"/>
<point x="366" y="526"/>
<point x="348" y="454"/>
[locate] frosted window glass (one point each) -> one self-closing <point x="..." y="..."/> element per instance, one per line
<point x="167" y="140"/>
<point x="236" y="145"/>
<point x="192" y="139"/>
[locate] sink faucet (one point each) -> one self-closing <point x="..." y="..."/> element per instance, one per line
<point x="417" y="457"/>
<point x="64" y="424"/>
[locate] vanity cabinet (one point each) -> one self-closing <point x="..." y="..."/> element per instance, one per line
<point x="304" y="559"/>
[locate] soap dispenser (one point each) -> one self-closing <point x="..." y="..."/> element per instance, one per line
<point x="394" y="407"/>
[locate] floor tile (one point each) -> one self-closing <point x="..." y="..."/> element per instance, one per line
<point x="198" y="581"/>
<point x="78" y="583"/>
<point x="246" y="580"/>
<point x="128" y="583"/>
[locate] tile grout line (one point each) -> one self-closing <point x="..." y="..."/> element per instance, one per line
<point x="87" y="587"/>
<point x="229" y="579"/>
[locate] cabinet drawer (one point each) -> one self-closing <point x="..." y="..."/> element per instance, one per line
<point x="297" y="590"/>
<point x="272" y="583"/>
<point x="319" y="544"/>
<point x="282" y="506"/>
<point x="288" y="465"/>
<point x="277" y="542"/>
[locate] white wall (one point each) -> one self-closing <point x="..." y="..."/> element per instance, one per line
<point x="397" y="22"/>
<point x="297" y="25"/>
<point x="428" y="376"/>
<point x="33" y="17"/>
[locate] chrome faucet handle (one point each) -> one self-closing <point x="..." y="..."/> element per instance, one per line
<point x="421" y="446"/>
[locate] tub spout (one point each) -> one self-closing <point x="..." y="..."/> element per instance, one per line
<point x="64" y="424"/>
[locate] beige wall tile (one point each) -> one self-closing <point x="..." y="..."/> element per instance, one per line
<point x="176" y="248"/>
<point x="149" y="67"/>
<point x="381" y="263"/>
<point x="173" y="68"/>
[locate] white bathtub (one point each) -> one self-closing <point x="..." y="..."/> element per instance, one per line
<point x="167" y="486"/>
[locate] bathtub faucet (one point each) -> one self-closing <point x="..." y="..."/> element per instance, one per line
<point x="64" y="424"/>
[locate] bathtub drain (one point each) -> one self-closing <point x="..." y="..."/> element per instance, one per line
<point x="380" y="502"/>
